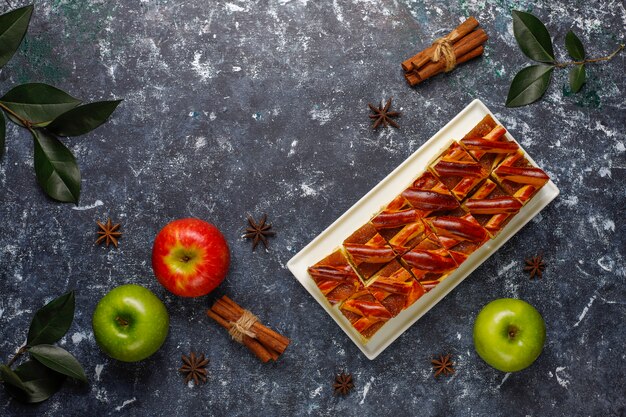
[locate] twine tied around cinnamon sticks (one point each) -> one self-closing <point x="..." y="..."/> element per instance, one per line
<point x="245" y="328"/>
<point x="443" y="48"/>
<point x="241" y="327"/>
<point x="445" y="53"/>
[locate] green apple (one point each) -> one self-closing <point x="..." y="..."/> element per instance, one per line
<point x="130" y="323"/>
<point x="509" y="334"/>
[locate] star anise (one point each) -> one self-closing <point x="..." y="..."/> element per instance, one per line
<point x="258" y="232"/>
<point x="108" y="232"/>
<point x="343" y="384"/>
<point x="193" y="368"/>
<point x="443" y="365"/>
<point x="383" y="116"/>
<point x="535" y="266"/>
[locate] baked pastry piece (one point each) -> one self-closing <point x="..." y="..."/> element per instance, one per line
<point x="429" y="262"/>
<point x="335" y="277"/>
<point x="399" y="223"/>
<point x="365" y="312"/>
<point x="368" y="251"/>
<point x="492" y="207"/>
<point x="518" y="177"/>
<point x="491" y="147"/>
<point x="458" y="170"/>
<point x="459" y="233"/>
<point x="395" y="287"/>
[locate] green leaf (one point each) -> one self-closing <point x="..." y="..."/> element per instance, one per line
<point x="56" y="168"/>
<point x="3" y="133"/>
<point x="574" y="46"/>
<point x="577" y="78"/>
<point x="59" y="360"/>
<point x="39" y="382"/>
<point x="38" y="103"/>
<point x="52" y="321"/>
<point x="83" y="119"/>
<point x="11" y="378"/>
<point x="13" y="27"/>
<point x="529" y="85"/>
<point x="532" y="36"/>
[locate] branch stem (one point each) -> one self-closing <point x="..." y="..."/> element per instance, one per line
<point x="19" y="353"/>
<point x="587" y="61"/>
<point x="24" y="122"/>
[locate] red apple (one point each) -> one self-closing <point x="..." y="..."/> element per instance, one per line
<point x="190" y="257"/>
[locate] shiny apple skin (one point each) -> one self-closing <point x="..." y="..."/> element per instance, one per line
<point x="509" y="334"/>
<point x="190" y="257"/>
<point x="130" y="323"/>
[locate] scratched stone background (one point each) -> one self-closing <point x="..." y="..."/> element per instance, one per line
<point x="260" y="106"/>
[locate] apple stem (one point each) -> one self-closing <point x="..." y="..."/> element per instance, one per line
<point x="17" y="355"/>
<point x="512" y="332"/>
<point x="121" y="321"/>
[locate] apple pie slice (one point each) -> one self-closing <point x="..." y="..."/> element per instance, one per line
<point x="488" y="147"/>
<point x="518" y="177"/>
<point x="368" y="251"/>
<point x="492" y="207"/>
<point x="365" y="312"/>
<point x="399" y="223"/>
<point x="335" y="277"/>
<point x="459" y="233"/>
<point x="429" y="262"/>
<point x="395" y="287"/>
<point x="458" y="170"/>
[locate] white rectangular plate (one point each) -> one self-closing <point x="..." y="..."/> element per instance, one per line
<point x="382" y="194"/>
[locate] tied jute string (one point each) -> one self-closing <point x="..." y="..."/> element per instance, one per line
<point x="241" y="327"/>
<point x="443" y="48"/>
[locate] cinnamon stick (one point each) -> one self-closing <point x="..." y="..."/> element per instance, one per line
<point x="229" y="313"/>
<point x="435" y="68"/>
<point x="255" y="347"/>
<point x="425" y="56"/>
<point x="414" y="78"/>
<point x="266" y="330"/>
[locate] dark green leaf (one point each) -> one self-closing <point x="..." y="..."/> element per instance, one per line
<point x="529" y="85"/>
<point x="52" y="321"/>
<point x="532" y="36"/>
<point x="56" y="168"/>
<point x="574" y="46"/>
<point x="83" y="119"/>
<point x="3" y="133"/>
<point x="577" y="77"/>
<point x="58" y="359"/>
<point x="13" y="26"/>
<point x="39" y="382"/>
<point x="38" y="103"/>
<point x="11" y="378"/>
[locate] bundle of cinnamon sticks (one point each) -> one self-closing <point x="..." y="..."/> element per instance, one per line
<point x="244" y="327"/>
<point x="463" y="43"/>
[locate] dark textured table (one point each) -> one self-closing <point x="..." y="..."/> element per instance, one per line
<point x="261" y="106"/>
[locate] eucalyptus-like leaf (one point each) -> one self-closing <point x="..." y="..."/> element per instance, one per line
<point x="574" y="46"/>
<point x="577" y="78"/>
<point x="13" y="27"/>
<point x="83" y="119"/>
<point x="529" y="85"/>
<point x="56" y="168"/>
<point x="533" y="37"/>
<point x="59" y="360"/>
<point x="39" y="382"/>
<point x="3" y="133"/>
<point x="11" y="378"/>
<point x="38" y="103"/>
<point x="52" y="321"/>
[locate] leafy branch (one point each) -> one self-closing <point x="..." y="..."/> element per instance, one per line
<point x="47" y="113"/>
<point x="38" y="378"/>
<point x="534" y="40"/>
